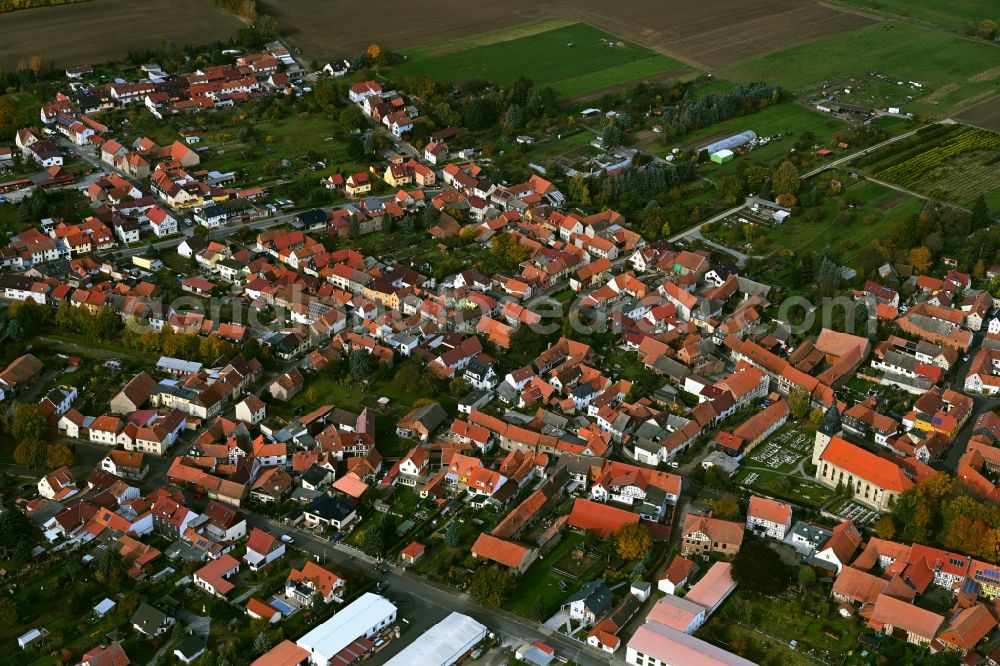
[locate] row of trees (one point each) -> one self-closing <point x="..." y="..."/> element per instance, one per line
<point x="13" y="5"/>
<point x="693" y="113"/>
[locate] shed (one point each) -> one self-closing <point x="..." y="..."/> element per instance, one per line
<point x="25" y="640"/>
<point x="103" y="608"/>
<point x="722" y="156"/>
<point x="189" y="650"/>
<point x="780" y="216"/>
<point x="641" y="590"/>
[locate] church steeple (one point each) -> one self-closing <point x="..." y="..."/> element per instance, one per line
<point x="831" y="424"/>
<point x="830" y="427"/>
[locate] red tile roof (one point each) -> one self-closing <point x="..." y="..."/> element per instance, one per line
<point x="507" y="553"/>
<point x="768" y="509"/>
<point x="603" y="519"/>
<point x="260" y="609"/>
<point x="861" y="463"/>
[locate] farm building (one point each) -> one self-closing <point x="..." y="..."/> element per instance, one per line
<point x="734" y="141"/>
<point x="722" y="156"/>
<point x="833" y="106"/>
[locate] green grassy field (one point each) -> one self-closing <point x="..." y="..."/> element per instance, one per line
<point x="771" y="121"/>
<point x="955" y="71"/>
<point x="574" y="59"/>
<point x="881" y="207"/>
<point x="287" y="138"/>
<point x="953" y="14"/>
<point x="760" y="626"/>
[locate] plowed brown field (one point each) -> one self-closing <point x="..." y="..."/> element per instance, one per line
<point x="709" y="35"/>
<point x="985" y="115"/>
<point x="105" y="30"/>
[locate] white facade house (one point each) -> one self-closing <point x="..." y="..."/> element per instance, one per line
<point x="161" y="222"/>
<point x="251" y="410"/>
<point x="769" y="517"/>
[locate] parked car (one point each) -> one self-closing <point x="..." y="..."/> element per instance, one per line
<point x="287" y="539"/>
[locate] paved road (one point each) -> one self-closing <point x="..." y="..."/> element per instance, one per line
<point x="949" y="461"/>
<point x="423" y="603"/>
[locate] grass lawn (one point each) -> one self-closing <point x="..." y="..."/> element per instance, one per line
<point x="954" y="71"/>
<point x="286" y="138"/>
<point x="10" y="223"/>
<point x="791" y="488"/>
<point x="757" y="626"/>
<point x="94" y="348"/>
<point x="880" y="209"/>
<point x="540" y="582"/>
<point x="954" y="14"/>
<point x="778" y="119"/>
<point x="324" y="390"/>
<point x="574" y="59"/>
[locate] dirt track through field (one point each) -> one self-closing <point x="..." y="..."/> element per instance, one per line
<point x="105" y="30"/>
<point x="708" y="35"/>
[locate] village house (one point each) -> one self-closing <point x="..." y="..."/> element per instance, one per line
<point x="313" y="583"/>
<point x="768" y="517"/>
<point x="705" y="535"/>
<point x="214" y="576"/>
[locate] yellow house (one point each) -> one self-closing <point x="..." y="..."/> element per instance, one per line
<point x="358" y="184"/>
<point x="397" y="175"/>
<point x="389" y="298"/>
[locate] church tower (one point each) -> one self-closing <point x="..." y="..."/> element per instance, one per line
<point x="830" y="427"/>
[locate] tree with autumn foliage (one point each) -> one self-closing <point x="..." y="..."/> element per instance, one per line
<point x="937" y="511"/>
<point x="633" y="541"/>
<point x="920" y="259"/>
<point x="58" y="455"/>
<point x="785" y="179"/>
<point x="885" y="528"/>
<point x="917" y="511"/>
<point x="491" y="585"/>
<point x="726" y="507"/>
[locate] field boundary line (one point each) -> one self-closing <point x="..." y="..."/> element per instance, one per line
<point x="527" y="29"/>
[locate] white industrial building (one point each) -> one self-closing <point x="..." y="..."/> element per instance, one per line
<point x="363" y="618"/>
<point x="443" y="644"/>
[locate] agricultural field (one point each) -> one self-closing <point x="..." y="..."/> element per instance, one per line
<point x="985" y="115"/>
<point x="954" y="14"/>
<point x="573" y="59"/>
<point x="702" y="35"/>
<point x="954" y="72"/>
<point x="104" y="30"/>
<point x="958" y="166"/>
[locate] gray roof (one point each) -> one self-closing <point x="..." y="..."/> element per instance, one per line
<point x="191" y="647"/>
<point x="148" y="619"/>
<point x="430" y="416"/>
<point x="930" y="324"/>
<point x="595" y="595"/>
<point x="904" y="361"/>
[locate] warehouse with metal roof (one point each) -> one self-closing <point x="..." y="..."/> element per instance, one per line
<point x="443" y="644"/>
